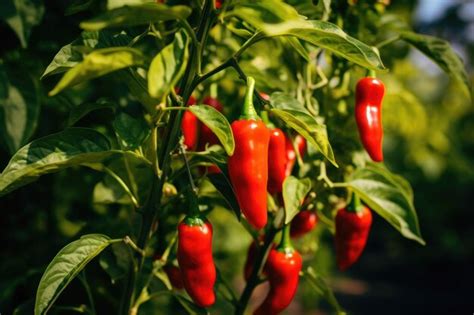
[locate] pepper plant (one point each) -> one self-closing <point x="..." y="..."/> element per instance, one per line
<point x="126" y="82"/>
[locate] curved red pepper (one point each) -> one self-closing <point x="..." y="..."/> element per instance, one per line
<point x="282" y="267"/>
<point x="352" y="230"/>
<point x="276" y="161"/>
<point x="368" y="113"/>
<point x="190" y="127"/>
<point x="195" y="260"/>
<point x="207" y="137"/>
<point x="248" y="166"/>
<point x="303" y="223"/>
<point x="300" y="143"/>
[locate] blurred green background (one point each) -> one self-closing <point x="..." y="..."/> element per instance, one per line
<point x="435" y="152"/>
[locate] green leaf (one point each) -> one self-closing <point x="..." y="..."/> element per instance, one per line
<point x="286" y="101"/>
<point x="390" y="196"/>
<point x="297" y="46"/>
<point x="217" y="122"/>
<point x="275" y="18"/>
<point x="309" y="128"/>
<point x="78" y="112"/>
<point x="138" y="88"/>
<point x="19" y="109"/>
<point x="137" y="15"/>
<point x="131" y="130"/>
<point x="323" y="289"/>
<point x="168" y="66"/>
<point x="65" y="267"/>
<point x="73" y="146"/>
<point x="99" y="63"/>
<point x="71" y="54"/>
<point x="294" y="192"/>
<point x="441" y="52"/>
<point x="22" y="16"/>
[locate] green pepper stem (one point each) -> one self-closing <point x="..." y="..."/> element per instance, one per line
<point x="249" y="112"/>
<point x="355" y="205"/>
<point x="266" y="119"/>
<point x="372" y="74"/>
<point x="285" y="243"/>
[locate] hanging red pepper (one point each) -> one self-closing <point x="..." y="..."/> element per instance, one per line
<point x="207" y="137"/>
<point x="303" y="223"/>
<point x="190" y="127"/>
<point x="248" y="166"/>
<point x="195" y="259"/>
<point x="368" y="112"/>
<point x="276" y="157"/>
<point x="219" y="4"/>
<point x="352" y="230"/>
<point x="283" y="267"/>
<point x="174" y="274"/>
<point x="300" y="143"/>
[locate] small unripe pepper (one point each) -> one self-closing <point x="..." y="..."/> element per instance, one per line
<point x="303" y="223"/>
<point x="282" y="267"/>
<point x="190" y="127"/>
<point x="352" y="230"/>
<point x="368" y="114"/>
<point x="195" y="259"/>
<point x="207" y="137"/>
<point x="276" y="157"/>
<point x="300" y="143"/>
<point x="248" y="166"/>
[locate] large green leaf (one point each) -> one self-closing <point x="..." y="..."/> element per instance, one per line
<point x="390" y="196"/>
<point x="19" y="108"/>
<point x="82" y="110"/>
<point x="309" y="128"/>
<point x="73" y="146"/>
<point x="99" y="63"/>
<point x="137" y="15"/>
<point x="441" y="52"/>
<point x="65" y="267"/>
<point x="294" y="192"/>
<point x="275" y="18"/>
<point x="131" y="130"/>
<point x="71" y="54"/>
<point x="217" y="122"/>
<point x="167" y="67"/>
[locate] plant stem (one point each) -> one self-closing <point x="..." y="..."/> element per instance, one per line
<point x="123" y="185"/>
<point x="388" y="41"/>
<point x="88" y="291"/>
<point x="254" y="279"/>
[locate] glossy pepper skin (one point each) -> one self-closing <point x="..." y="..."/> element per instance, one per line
<point x="248" y="166"/>
<point x="352" y="230"/>
<point x="190" y="127"/>
<point x="174" y="274"/>
<point x="282" y="267"/>
<point x="300" y="143"/>
<point x="304" y="222"/>
<point x="368" y="114"/>
<point x="195" y="260"/>
<point x="207" y="137"/>
<point x="276" y="160"/>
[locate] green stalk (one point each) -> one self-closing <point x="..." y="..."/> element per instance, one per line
<point x="285" y="243"/>
<point x="355" y="205"/>
<point x="266" y="119"/>
<point x="248" y="111"/>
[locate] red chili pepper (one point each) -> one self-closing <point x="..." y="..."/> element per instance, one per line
<point x="276" y="157"/>
<point x="368" y="112"/>
<point x="300" y="143"/>
<point x="251" y="255"/>
<point x="195" y="259"/>
<point x="219" y="4"/>
<point x="174" y="274"/>
<point x="207" y="137"/>
<point x="190" y="127"/>
<point x="352" y="230"/>
<point x="303" y="223"/>
<point x="283" y="267"/>
<point x="248" y="166"/>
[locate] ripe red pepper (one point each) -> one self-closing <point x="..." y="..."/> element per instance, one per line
<point x="368" y="114"/>
<point x="207" y="137"/>
<point x="195" y="259"/>
<point x="190" y="127"/>
<point x="174" y="274"/>
<point x="218" y="4"/>
<point x="282" y="267"/>
<point x="303" y="223"/>
<point x="248" y="166"/>
<point x="276" y="157"/>
<point x="352" y="230"/>
<point x="300" y="143"/>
